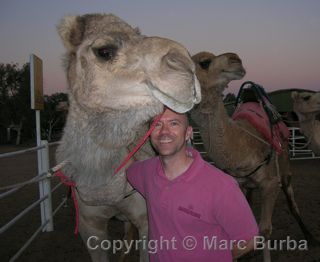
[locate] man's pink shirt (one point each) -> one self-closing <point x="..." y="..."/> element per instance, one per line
<point x="203" y="204"/>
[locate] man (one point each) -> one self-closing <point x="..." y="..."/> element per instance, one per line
<point x="196" y="212"/>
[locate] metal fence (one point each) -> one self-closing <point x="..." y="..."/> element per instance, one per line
<point x="45" y="194"/>
<point x="299" y="145"/>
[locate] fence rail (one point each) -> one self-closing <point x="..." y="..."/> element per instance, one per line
<point x="299" y="146"/>
<point x="45" y="191"/>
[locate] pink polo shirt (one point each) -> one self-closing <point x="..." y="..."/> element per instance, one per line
<point x="195" y="216"/>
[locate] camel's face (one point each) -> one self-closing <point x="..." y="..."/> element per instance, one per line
<point x="306" y="102"/>
<point x="113" y="67"/>
<point x="218" y="70"/>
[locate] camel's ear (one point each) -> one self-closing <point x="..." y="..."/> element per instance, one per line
<point x="294" y="95"/>
<point x="71" y="29"/>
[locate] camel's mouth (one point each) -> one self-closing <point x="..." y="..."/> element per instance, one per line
<point x="238" y="73"/>
<point x="177" y="105"/>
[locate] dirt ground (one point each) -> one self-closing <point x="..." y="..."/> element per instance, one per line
<point x="63" y="245"/>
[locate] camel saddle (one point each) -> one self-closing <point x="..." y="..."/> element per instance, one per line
<point x="254" y="106"/>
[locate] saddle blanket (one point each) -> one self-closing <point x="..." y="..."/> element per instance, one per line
<point x="256" y="116"/>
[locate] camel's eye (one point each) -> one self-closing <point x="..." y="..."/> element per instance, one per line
<point x="106" y="53"/>
<point x="205" y="64"/>
<point x="306" y="98"/>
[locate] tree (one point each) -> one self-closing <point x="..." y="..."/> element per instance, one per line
<point x="51" y="118"/>
<point x="16" y="113"/>
<point x="15" y="109"/>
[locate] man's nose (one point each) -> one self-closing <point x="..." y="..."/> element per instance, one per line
<point x="164" y="129"/>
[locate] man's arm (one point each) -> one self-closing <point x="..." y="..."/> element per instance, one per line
<point x="241" y="248"/>
<point x="134" y="175"/>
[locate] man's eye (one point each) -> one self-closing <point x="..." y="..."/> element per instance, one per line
<point x="158" y="125"/>
<point x="174" y="123"/>
<point x="106" y="53"/>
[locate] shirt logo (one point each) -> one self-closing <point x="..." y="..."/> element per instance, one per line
<point x="189" y="211"/>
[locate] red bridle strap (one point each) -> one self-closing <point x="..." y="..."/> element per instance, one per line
<point x="140" y="143"/>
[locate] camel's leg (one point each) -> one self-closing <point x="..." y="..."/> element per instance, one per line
<point x="93" y="229"/>
<point x="129" y="231"/>
<point x="134" y="208"/>
<point x="269" y="193"/>
<point x="286" y="184"/>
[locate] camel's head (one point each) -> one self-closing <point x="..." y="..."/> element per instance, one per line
<point x="217" y="71"/>
<point x="305" y="103"/>
<point x="111" y="66"/>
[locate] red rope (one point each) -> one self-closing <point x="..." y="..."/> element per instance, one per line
<point x="66" y="181"/>
<point x="140" y="143"/>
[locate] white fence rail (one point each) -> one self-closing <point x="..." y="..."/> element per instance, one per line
<point x="299" y="146"/>
<point x="45" y="198"/>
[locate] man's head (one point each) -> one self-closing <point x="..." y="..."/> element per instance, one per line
<point x="171" y="133"/>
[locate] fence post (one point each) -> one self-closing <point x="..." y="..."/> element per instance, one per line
<point x="293" y="141"/>
<point x="45" y="187"/>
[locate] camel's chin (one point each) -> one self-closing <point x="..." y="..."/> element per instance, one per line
<point x="172" y="103"/>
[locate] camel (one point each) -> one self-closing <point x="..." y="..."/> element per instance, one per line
<point x="307" y="106"/>
<point x="118" y="80"/>
<point x="233" y="145"/>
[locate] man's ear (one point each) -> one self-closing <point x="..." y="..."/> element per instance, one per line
<point x="189" y="133"/>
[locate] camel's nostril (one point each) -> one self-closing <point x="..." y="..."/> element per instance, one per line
<point x="235" y="60"/>
<point x="176" y="60"/>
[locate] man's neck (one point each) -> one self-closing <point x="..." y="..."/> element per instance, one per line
<point x="175" y="166"/>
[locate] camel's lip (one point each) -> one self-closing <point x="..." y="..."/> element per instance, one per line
<point x="240" y="73"/>
<point x="173" y="103"/>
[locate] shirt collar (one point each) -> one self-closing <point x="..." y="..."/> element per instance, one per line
<point x="190" y="173"/>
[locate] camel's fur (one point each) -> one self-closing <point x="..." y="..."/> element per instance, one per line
<point x="118" y="80"/>
<point x="307" y="106"/>
<point x="233" y="149"/>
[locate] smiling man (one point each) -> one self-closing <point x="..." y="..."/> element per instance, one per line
<point x="196" y="212"/>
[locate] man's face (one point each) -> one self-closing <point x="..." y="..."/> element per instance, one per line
<point x="170" y="134"/>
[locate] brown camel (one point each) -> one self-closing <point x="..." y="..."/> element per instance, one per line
<point x="307" y="106"/>
<point x="233" y="145"/>
<point x="118" y="80"/>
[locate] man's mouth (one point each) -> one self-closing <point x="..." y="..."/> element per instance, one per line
<point x="165" y="140"/>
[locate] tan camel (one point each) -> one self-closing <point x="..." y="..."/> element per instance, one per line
<point x="231" y="147"/>
<point x="307" y="106"/>
<point x="118" y="80"/>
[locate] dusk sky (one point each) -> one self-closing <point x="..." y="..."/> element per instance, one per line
<point x="277" y="40"/>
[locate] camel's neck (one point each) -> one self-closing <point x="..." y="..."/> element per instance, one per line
<point x="212" y="118"/>
<point x="100" y="140"/>
<point x="307" y="124"/>
<point x="212" y="105"/>
<point x="109" y="129"/>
